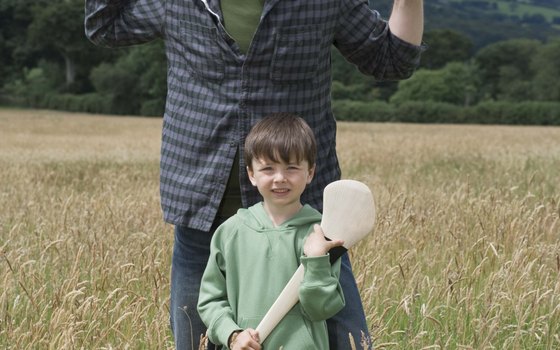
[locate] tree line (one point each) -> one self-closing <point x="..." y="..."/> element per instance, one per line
<point x="46" y="62"/>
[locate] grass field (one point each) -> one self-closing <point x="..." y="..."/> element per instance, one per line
<point x="465" y="252"/>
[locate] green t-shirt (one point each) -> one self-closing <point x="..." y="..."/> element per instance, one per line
<point x="241" y="19"/>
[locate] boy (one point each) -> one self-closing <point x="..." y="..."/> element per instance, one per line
<point x="256" y="252"/>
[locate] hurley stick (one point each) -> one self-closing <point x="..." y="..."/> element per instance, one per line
<point x="349" y="215"/>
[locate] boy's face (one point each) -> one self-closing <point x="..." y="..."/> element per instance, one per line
<point x="280" y="184"/>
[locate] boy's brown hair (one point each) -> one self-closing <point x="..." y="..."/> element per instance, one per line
<point x="278" y="137"/>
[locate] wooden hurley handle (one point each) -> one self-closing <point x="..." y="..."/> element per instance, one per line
<point x="283" y="304"/>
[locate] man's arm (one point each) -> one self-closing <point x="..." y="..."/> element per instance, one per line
<point x="366" y="40"/>
<point x="121" y="23"/>
<point x="407" y="20"/>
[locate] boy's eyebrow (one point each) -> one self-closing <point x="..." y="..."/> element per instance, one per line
<point x="263" y="161"/>
<point x="270" y="161"/>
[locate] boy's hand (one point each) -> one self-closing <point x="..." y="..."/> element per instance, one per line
<point x="246" y="340"/>
<point x="316" y="243"/>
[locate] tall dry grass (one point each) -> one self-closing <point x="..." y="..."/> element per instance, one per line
<point x="84" y="253"/>
<point x="465" y="253"/>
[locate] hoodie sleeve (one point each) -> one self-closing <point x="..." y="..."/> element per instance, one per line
<point x="213" y="305"/>
<point x="320" y="293"/>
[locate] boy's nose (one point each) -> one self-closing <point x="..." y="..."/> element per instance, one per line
<point x="279" y="177"/>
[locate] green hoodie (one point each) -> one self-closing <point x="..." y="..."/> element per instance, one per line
<point x="250" y="263"/>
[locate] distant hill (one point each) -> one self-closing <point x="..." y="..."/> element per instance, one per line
<point x="488" y="21"/>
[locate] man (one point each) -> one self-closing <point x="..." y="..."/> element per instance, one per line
<point x="229" y="64"/>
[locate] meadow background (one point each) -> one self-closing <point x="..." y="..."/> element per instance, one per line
<point x="487" y="62"/>
<point x="465" y="253"/>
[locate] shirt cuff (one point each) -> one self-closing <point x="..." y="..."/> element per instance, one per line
<point x="409" y="54"/>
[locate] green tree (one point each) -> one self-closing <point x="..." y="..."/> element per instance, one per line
<point x="505" y="69"/>
<point x="444" y="46"/>
<point x="136" y="82"/>
<point x="5" y="60"/>
<point x="546" y="64"/>
<point x="15" y="17"/>
<point x="454" y="83"/>
<point x="57" y="32"/>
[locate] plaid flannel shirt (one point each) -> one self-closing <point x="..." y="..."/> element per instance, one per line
<point x="216" y="93"/>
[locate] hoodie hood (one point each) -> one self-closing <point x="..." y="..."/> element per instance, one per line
<point x="257" y="219"/>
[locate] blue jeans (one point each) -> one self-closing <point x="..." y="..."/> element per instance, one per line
<point x="190" y="256"/>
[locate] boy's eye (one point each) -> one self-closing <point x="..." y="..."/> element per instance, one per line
<point x="294" y="166"/>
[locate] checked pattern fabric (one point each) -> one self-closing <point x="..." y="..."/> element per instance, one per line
<point x="216" y="93"/>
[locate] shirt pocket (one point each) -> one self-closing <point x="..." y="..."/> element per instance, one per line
<point x="296" y="53"/>
<point x="202" y="50"/>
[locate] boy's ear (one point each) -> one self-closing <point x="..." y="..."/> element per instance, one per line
<point x="311" y="174"/>
<point x="251" y="174"/>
